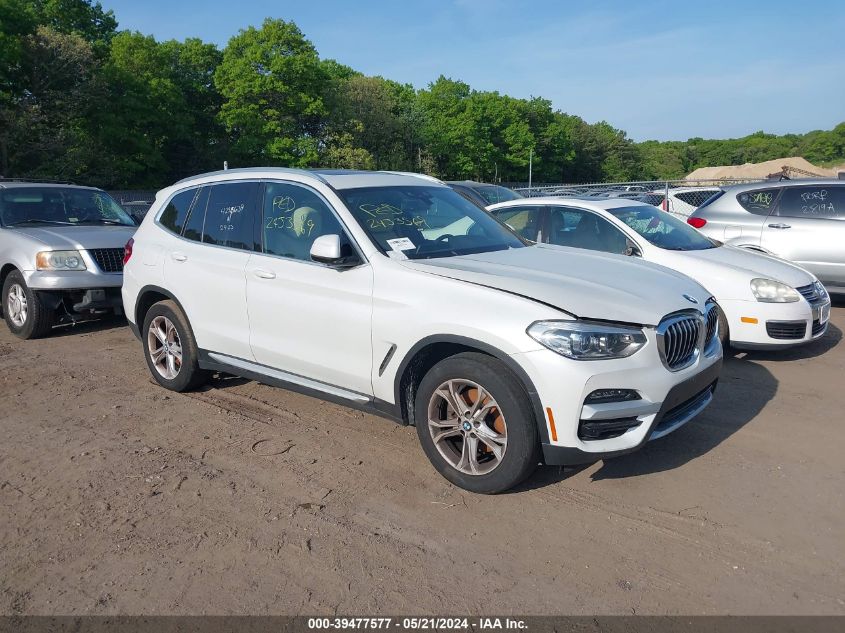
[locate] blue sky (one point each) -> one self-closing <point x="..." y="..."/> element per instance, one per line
<point x="657" y="69"/>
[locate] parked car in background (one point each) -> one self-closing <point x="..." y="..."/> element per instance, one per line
<point x="684" y="200"/>
<point x="392" y="293"/>
<point x="137" y="209"/>
<point x="765" y="302"/>
<point x="799" y="220"/>
<point x="483" y="194"/>
<point x="61" y="254"/>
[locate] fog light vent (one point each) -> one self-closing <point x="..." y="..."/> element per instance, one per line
<point x="605" y="429"/>
<point x="611" y="395"/>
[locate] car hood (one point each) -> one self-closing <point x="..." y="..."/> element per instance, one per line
<point x="728" y="270"/>
<point x="582" y="283"/>
<point x="79" y="237"/>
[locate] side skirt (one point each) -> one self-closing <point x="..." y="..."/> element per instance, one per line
<point x="212" y="361"/>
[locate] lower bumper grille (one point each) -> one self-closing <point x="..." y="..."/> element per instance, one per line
<point x="818" y="327"/>
<point x="684" y="411"/>
<point x="786" y="330"/>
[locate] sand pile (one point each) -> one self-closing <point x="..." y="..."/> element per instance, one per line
<point x="762" y="170"/>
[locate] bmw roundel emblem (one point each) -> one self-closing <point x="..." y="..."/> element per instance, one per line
<point x="690" y="299"/>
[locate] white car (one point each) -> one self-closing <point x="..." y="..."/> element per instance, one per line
<point x="766" y="302"/>
<point x="392" y="293"/>
<point x="683" y="200"/>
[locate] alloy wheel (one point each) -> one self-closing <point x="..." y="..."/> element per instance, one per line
<point x="467" y="426"/>
<point x="165" y="347"/>
<point x="16" y="305"/>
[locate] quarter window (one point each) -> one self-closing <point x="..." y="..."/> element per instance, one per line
<point x="196" y="215"/>
<point x="174" y="214"/>
<point x="760" y="202"/>
<point x="695" y="198"/>
<point x="581" y="229"/>
<point x="820" y="201"/>
<point x="230" y="215"/>
<point x="293" y="217"/>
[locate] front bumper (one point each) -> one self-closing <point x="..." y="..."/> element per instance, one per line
<point x="71" y="279"/>
<point x="667" y="400"/>
<point x="683" y="402"/>
<point x="777" y="325"/>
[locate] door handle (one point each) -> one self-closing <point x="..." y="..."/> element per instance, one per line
<point x="264" y="274"/>
<point x="780" y="226"/>
<point x="178" y="257"/>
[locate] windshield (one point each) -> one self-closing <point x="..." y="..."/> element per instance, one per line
<point x="663" y="229"/>
<point x="59" y="205"/>
<point x="424" y="222"/>
<point x="494" y="193"/>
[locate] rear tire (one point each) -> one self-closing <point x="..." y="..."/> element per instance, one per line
<point x="25" y="314"/>
<point x="492" y="443"/>
<point x="170" y="349"/>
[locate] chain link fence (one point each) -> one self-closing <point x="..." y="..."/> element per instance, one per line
<point x="135" y="202"/>
<point x="680" y="197"/>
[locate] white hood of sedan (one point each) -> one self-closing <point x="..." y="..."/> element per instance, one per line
<point x="583" y="283"/>
<point x="58" y="238"/>
<point x="727" y="271"/>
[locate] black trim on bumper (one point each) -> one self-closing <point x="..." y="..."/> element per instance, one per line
<point x="678" y="395"/>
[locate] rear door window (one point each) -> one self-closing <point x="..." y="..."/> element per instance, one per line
<point x="230" y="215"/>
<point x="818" y="201"/>
<point x="523" y="220"/>
<point x="760" y="202"/>
<point x="582" y="229"/>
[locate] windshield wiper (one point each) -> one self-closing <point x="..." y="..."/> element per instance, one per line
<point x="104" y="221"/>
<point x="40" y="221"/>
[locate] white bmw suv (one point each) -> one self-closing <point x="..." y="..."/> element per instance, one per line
<point x="391" y="293"/>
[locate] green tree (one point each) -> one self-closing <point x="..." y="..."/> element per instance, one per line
<point x="273" y="86"/>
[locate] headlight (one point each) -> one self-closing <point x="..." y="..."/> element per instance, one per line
<point x="587" y="341"/>
<point x="59" y="260"/>
<point x="771" y="291"/>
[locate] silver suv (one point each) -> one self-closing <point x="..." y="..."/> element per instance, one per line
<point x="61" y="254"/>
<point x="802" y="221"/>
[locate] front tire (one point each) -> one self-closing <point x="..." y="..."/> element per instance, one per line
<point x="25" y="314"/>
<point x="476" y="424"/>
<point x="170" y="349"/>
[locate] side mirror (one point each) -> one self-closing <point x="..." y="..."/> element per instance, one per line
<point x="632" y="250"/>
<point x="328" y="250"/>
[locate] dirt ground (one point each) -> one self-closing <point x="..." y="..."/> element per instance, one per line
<point x="117" y="497"/>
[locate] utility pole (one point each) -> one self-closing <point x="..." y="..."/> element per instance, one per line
<point x="530" y="168"/>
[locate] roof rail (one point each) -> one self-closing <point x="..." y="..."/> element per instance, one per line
<point x="247" y="170"/>
<point x="413" y="173"/>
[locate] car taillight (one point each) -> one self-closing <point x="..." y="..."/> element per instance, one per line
<point x="127" y="250"/>
<point x="696" y="222"/>
<point x="665" y="204"/>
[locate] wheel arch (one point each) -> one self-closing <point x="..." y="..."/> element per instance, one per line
<point x="433" y="349"/>
<point x="148" y="297"/>
<point x="4" y="272"/>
